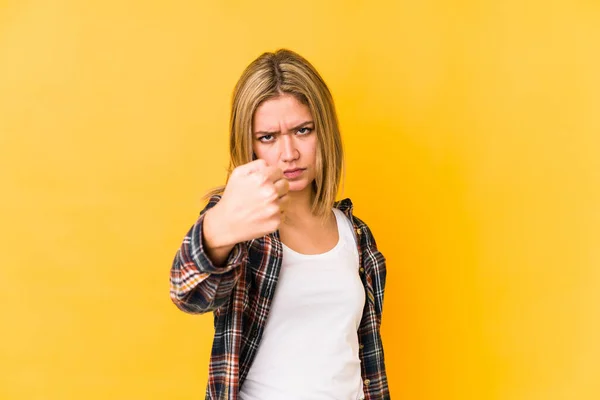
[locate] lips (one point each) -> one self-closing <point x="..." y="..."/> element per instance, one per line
<point x="293" y="173"/>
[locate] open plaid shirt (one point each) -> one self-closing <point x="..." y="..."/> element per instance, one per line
<point x="240" y="294"/>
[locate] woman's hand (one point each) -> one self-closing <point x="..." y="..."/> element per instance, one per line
<point x="251" y="206"/>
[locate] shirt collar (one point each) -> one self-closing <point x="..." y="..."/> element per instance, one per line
<point x="345" y="205"/>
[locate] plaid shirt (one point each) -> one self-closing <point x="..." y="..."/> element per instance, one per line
<point x="240" y="294"/>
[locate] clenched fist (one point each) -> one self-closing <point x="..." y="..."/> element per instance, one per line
<point x="251" y="206"/>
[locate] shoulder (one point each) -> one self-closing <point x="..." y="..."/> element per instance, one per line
<point x="361" y="227"/>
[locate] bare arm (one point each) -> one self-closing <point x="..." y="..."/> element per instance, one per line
<point x="217" y="238"/>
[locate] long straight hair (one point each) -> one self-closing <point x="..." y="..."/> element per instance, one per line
<point x="272" y="75"/>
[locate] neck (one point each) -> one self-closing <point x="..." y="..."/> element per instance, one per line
<point x="299" y="206"/>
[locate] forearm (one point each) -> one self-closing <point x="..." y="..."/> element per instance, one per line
<point x="216" y="236"/>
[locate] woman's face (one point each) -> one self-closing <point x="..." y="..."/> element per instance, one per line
<point x="284" y="136"/>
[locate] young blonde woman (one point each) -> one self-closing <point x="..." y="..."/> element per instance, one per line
<point x="294" y="279"/>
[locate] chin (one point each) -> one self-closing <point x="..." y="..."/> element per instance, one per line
<point x="298" y="186"/>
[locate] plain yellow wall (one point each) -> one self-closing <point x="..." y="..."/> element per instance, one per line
<point x="472" y="132"/>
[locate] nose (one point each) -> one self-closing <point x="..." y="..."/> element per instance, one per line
<point x="289" y="152"/>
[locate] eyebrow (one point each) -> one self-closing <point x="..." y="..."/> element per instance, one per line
<point x="302" y="125"/>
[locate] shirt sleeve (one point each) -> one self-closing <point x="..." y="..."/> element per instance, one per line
<point x="376" y="262"/>
<point x="196" y="284"/>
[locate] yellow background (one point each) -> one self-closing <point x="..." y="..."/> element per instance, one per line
<point x="472" y="132"/>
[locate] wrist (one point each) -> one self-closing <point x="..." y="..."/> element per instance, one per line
<point x="217" y="229"/>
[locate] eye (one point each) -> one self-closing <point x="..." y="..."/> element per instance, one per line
<point x="304" y="131"/>
<point x="266" y="138"/>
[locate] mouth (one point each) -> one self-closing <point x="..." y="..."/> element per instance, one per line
<point x="293" y="173"/>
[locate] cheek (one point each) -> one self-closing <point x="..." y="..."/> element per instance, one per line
<point x="310" y="150"/>
<point x="256" y="150"/>
<point x="265" y="153"/>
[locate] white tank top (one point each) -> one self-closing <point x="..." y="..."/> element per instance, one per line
<point x="309" y="348"/>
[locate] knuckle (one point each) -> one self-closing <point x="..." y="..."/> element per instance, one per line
<point x="269" y="192"/>
<point x="260" y="165"/>
<point x="273" y="210"/>
<point x="258" y="178"/>
<point x="236" y="172"/>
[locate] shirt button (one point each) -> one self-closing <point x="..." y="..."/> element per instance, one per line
<point x="358" y="231"/>
<point x="361" y="346"/>
<point x="367" y="382"/>
<point x="361" y="269"/>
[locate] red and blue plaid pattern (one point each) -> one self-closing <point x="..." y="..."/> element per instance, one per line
<point x="240" y="294"/>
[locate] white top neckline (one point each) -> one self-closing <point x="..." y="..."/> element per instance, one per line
<point x="319" y="255"/>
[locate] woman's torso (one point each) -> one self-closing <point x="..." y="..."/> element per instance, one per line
<point x="310" y="346"/>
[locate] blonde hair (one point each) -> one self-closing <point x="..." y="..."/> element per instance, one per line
<point x="275" y="74"/>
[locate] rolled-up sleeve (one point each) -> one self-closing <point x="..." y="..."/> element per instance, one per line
<point x="196" y="284"/>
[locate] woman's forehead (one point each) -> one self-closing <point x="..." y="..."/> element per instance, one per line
<point x="280" y="111"/>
